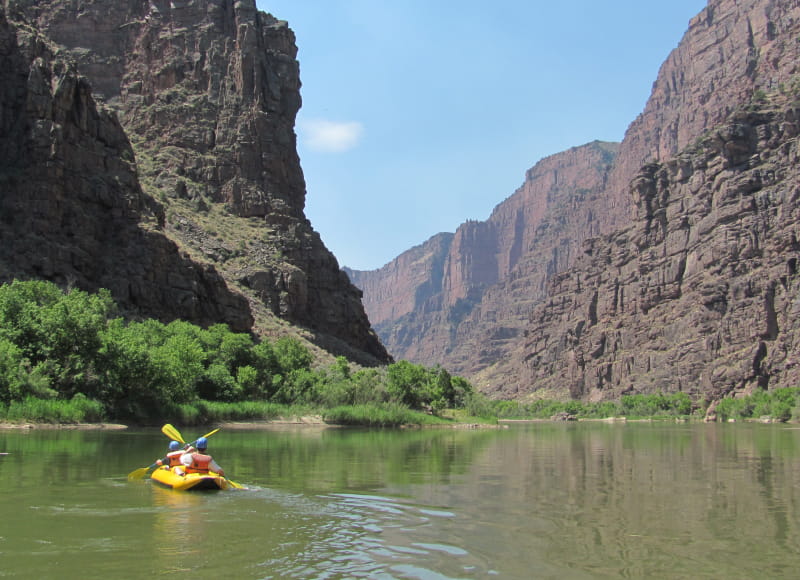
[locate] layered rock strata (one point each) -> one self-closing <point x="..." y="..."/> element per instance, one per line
<point x="700" y="293"/>
<point x="461" y="300"/>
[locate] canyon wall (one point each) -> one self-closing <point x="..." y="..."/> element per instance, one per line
<point x="206" y="92"/>
<point x="71" y="208"/>
<point x="700" y="292"/>
<point x="460" y="300"/>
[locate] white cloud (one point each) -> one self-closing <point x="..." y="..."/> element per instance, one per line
<point x="330" y="136"/>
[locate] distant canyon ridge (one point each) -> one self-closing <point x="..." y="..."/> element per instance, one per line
<point x="667" y="262"/>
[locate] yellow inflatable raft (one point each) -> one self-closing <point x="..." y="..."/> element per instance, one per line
<point x="189" y="482"/>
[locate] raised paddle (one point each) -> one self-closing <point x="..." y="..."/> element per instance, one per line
<point x="233" y="484"/>
<point x="207" y="435"/>
<point x="172" y="433"/>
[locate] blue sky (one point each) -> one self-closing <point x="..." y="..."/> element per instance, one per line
<point x="419" y="115"/>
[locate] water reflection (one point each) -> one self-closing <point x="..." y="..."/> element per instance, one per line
<point x="179" y="526"/>
<point x="350" y="459"/>
<point x="539" y="501"/>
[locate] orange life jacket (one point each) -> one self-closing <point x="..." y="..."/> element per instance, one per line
<point x="174" y="457"/>
<point x="200" y="463"/>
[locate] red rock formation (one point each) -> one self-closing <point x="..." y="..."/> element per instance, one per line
<point x="406" y="283"/>
<point x="699" y="293"/>
<point x="732" y="50"/>
<point x="462" y="297"/>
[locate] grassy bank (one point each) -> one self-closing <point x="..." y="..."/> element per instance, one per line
<point x="780" y="405"/>
<point x="80" y="410"/>
<point x="65" y="356"/>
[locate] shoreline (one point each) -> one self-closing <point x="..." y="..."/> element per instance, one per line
<point x="311" y="421"/>
<point x="305" y="422"/>
<point x="74" y="426"/>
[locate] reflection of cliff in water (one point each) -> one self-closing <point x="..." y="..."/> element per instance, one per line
<point x="353" y="459"/>
<point x="621" y="493"/>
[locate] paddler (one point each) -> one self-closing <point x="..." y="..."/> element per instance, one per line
<point x="199" y="461"/>
<point x="173" y="457"/>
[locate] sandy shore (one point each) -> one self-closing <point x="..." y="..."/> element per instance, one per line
<point x="82" y="426"/>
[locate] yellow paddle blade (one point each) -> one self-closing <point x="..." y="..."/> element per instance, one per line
<point x="172" y="433"/>
<point x="138" y="473"/>
<point x="235" y="485"/>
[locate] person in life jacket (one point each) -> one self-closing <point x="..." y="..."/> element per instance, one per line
<point x="199" y="461"/>
<point x="173" y="456"/>
<point x="174" y="453"/>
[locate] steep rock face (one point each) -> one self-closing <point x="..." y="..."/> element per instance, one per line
<point x="733" y="57"/>
<point x="732" y="50"/>
<point x="71" y="208"/>
<point x="465" y="300"/>
<point x="208" y="91"/>
<point x="405" y="284"/>
<point x="700" y="293"/>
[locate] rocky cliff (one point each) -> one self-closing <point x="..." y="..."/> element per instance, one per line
<point x="72" y="209"/>
<point x="686" y="274"/>
<point x="461" y="300"/>
<point x="731" y="49"/>
<point x="205" y="93"/>
<point x="700" y="293"/>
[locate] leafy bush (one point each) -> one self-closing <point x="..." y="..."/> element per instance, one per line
<point x="778" y="404"/>
<point x="421" y="388"/>
<point x="11" y="371"/>
<point x="55" y="345"/>
<point x="386" y="415"/>
<point x="655" y="405"/>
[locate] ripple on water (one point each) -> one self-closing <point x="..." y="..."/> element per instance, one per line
<point x="354" y="536"/>
<point x="388" y="538"/>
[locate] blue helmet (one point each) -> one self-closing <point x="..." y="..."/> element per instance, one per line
<point x="174" y="445"/>
<point x="202" y="443"/>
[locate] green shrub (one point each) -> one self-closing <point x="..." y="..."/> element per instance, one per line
<point x="779" y="404"/>
<point x="56" y="345"/>
<point x="11" y="372"/>
<point x="386" y="415"/>
<point x="655" y="405"/>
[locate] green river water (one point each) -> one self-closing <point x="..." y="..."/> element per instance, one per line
<point x="544" y="500"/>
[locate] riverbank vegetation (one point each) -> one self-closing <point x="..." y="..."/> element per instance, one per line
<point x="67" y="357"/>
<point x="677" y="405"/>
<point x="778" y="405"/>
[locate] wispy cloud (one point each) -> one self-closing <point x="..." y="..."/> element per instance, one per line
<point x="330" y="136"/>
